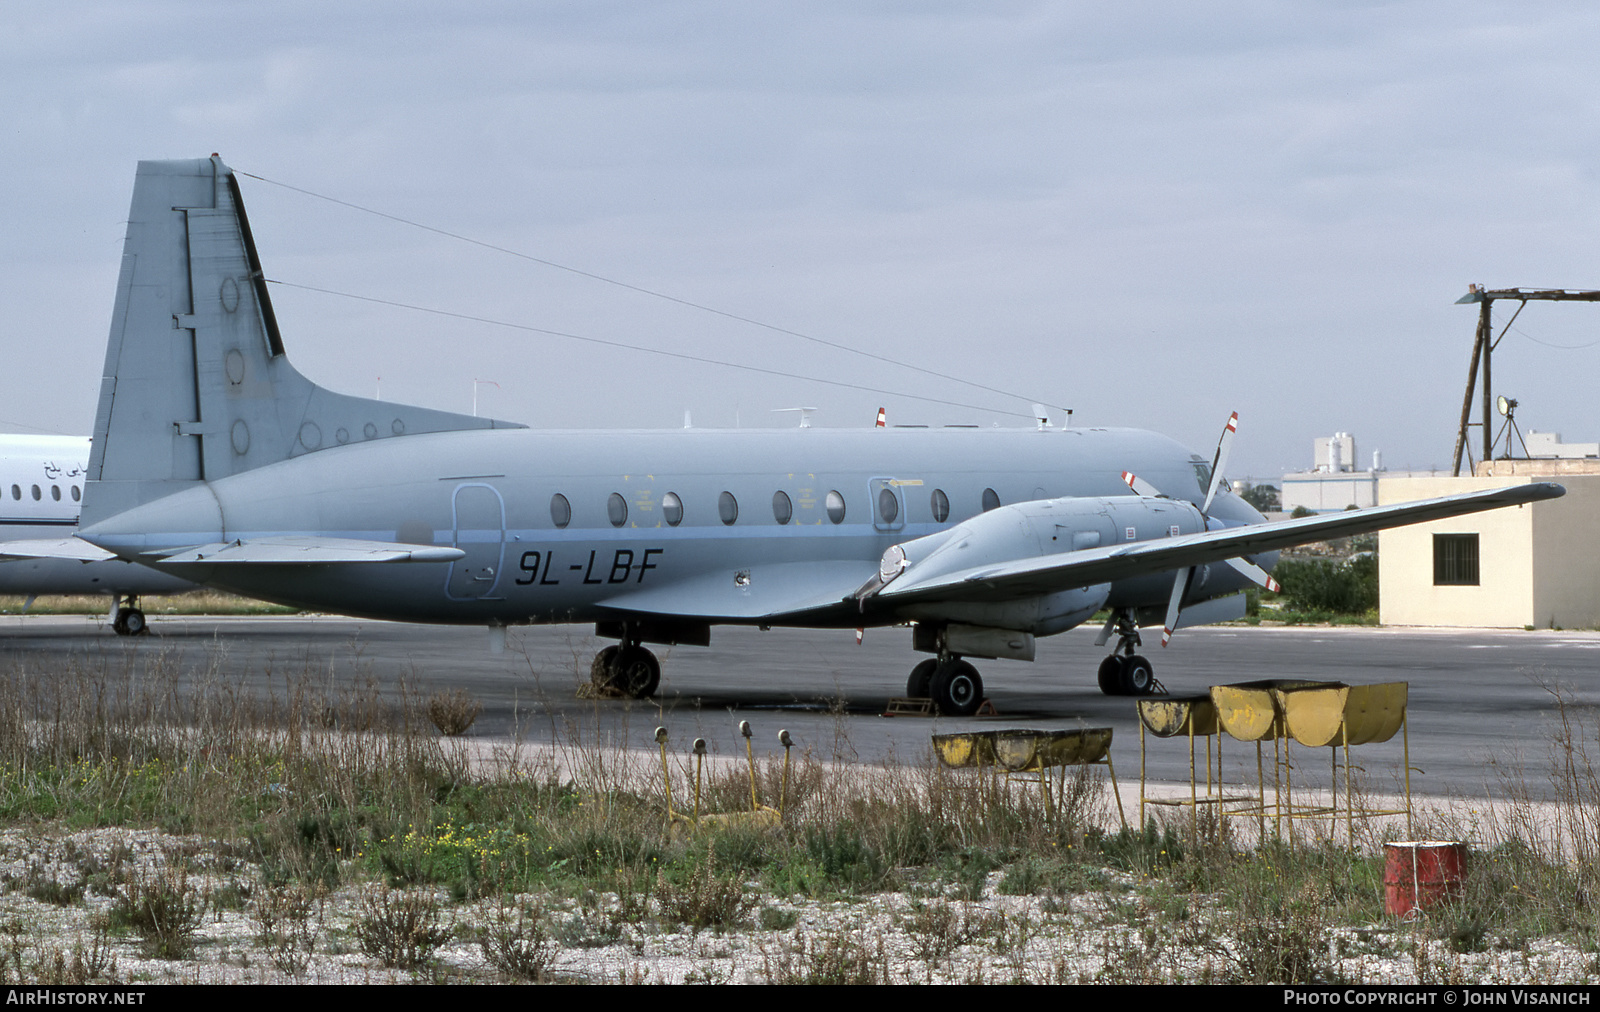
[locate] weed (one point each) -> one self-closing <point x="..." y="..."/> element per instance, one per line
<point x="163" y="908"/>
<point x="401" y="929"/>
<point x="516" y="942"/>
<point x="453" y="712"/>
<point x="702" y="896"/>
<point x="836" y="956"/>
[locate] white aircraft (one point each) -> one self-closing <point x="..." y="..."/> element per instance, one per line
<point x="41" y="489"/>
<point x="215" y="459"/>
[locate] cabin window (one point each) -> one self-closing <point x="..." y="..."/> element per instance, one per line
<point x="888" y="506"/>
<point x="1455" y="560"/>
<point x="16" y="491"/>
<point x="728" y="508"/>
<point x="76" y="494"/>
<point x="941" y="506"/>
<point x="560" y="510"/>
<point x="616" y="509"/>
<point x="55" y="492"/>
<point x="672" y="509"/>
<point x="991" y="499"/>
<point x="36" y="494"/>
<point x="782" y="508"/>
<point x="835" y="506"/>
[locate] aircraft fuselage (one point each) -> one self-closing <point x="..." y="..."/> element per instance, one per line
<point x="752" y="530"/>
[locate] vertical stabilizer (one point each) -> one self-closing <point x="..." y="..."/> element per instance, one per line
<point x="196" y="384"/>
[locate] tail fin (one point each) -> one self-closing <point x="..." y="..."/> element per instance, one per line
<point x="196" y="384"/>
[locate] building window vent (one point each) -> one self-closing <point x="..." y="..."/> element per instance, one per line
<point x="1455" y="560"/>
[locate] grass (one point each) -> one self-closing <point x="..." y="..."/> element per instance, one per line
<point x="306" y="791"/>
<point x="199" y="602"/>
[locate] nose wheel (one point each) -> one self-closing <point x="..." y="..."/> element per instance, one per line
<point x="1126" y="673"/>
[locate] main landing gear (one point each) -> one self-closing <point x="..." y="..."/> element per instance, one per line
<point x="127" y="619"/>
<point x="627" y="668"/>
<point x="1126" y="673"/>
<point x="954" y="685"/>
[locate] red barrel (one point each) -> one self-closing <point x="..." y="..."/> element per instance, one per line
<point x="1421" y="874"/>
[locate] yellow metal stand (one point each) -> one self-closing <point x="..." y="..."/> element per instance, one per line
<point x="1314" y="714"/>
<point x="1032" y="756"/>
<point x="1192" y="717"/>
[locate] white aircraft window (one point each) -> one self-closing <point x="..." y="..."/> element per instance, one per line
<point x="991" y="499"/>
<point x="36" y="494"/>
<point x="55" y="492"/>
<point x="888" y="506"/>
<point x="672" y="509"/>
<point x="835" y="505"/>
<point x="727" y="508"/>
<point x="782" y="508"/>
<point x="941" y="506"/>
<point x="560" y="510"/>
<point x="76" y="494"/>
<point x="617" y="509"/>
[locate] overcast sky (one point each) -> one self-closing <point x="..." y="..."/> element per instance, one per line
<point x="1153" y="214"/>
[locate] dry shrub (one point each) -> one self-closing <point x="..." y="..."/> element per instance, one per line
<point x="163" y="908"/>
<point x="519" y="944"/>
<point x="453" y="712"/>
<point x="401" y="929"/>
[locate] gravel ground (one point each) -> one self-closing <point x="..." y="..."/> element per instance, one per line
<point x="59" y="892"/>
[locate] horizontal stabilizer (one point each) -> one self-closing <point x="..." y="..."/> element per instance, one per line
<point x="308" y="551"/>
<point x="52" y="548"/>
<point x="1085" y="568"/>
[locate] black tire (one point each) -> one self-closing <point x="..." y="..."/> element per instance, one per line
<point x="921" y="680"/>
<point x="600" y="671"/>
<point x="1138" y="677"/>
<point x="1111" y="676"/>
<point x="957" y="689"/>
<point x="635" y="672"/>
<point x="133" y="623"/>
<point x="119" y="623"/>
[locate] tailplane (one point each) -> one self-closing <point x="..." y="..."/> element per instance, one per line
<point x="196" y="384"/>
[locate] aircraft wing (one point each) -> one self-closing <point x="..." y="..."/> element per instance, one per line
<point x="304" y="550"/>
<point x="754" y="594"/>
<point x="52" y="548"/>
<point x="1085" y="568"/>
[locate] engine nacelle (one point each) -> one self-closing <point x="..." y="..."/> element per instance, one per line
<point x="1032" y="530"/>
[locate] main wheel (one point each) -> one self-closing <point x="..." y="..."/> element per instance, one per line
<point x="635" y="672"/>
<point x="133" y="623"/>
<point x="1138" y="677"/>
<point x="957" y="689"/>
<point x="1111" y="675"/>
<point x="601" y="668"/>
<point x="917" y="686"/>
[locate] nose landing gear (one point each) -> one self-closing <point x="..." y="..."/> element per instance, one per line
<point x="1125" y="673"/>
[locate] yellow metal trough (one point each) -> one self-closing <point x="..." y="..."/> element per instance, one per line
<point x="1345" y="714"/>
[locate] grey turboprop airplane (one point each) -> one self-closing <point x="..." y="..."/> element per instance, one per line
<point x="215" y="459"/>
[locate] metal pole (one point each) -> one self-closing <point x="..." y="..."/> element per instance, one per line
<point x="1488" y="395"/>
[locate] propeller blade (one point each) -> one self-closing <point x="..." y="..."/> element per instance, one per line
<point x="1139" y="485"/>
<point x="1219" y="462"/>
<point x="1255" y="573"/>
<point x="1179" y="585"/>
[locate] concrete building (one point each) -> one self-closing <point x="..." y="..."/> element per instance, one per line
<point x="1536" y="565"/>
